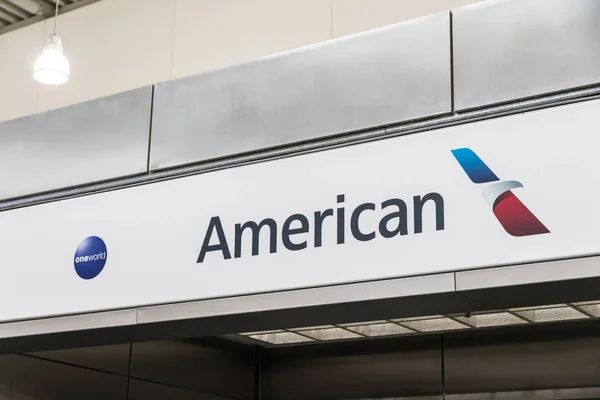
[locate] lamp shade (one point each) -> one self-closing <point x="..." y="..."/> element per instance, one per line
<point x="52" y="67"/>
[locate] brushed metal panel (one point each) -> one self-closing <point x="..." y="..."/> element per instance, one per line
<point x="509" y="49"/>
<point x="88" y="142"/>
<point x="568" y="97"/>
<point x="386" y="368"/>
<point x="555" y="282"/>
<point x="367" y="291"/>
<point x="523" y="274"/>
<point x="113" y="358"/>
<point x="525" y="358"/>
<point x="545" y="293"/>
<point x="224" y="369"/>
<point x="27" y="378"/>
<point x="378" y="77"/>
<point x="72" y="334"/>
<point x="68" y="323"/>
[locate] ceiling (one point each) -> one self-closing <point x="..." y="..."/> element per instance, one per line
<point x="15" y="14"/>
<point x="428" y="324"/>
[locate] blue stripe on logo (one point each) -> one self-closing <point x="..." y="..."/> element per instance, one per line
<point x="473" y="166"/>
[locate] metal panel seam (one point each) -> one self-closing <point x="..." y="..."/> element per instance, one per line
<point x="451" y="16"/>
<point x="308" y="147"/>
<point x="150" y="118"/>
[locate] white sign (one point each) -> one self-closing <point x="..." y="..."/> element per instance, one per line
<point x="511" y="190"/>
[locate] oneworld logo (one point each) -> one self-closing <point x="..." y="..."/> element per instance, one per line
<point x="513" y="215"/>
<point x="299" y="231"/>
<point x="90" y="257"/>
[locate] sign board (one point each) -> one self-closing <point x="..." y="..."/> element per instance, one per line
<point x="511" y="190"/>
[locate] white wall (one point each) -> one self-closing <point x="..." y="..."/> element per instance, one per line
<point x="116" y="45"/>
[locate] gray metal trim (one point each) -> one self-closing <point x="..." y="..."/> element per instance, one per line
<point x="393" y="288"/>
<point x="68" y="323"/>
<point x="386" y="289"/>
<point x="429" y="292"/>
<point x="302" y="148"/>
<point x="528" y="273"/>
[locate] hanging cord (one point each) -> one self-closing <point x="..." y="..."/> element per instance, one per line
<point x="56" y="15"/>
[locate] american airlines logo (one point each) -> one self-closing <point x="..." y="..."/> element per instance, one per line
<point x="396" y="218"/>
<point x="513" y="215"/>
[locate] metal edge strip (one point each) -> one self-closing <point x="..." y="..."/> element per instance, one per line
<point x="365" y="291"/>
<point x="308" y="147"/>
<point x="401" y="287"/>
<point x="68" y="323"/>
<point x="392" y="288"/>
<point x="523" y="274"/>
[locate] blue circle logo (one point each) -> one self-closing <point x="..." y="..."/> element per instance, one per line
<point x="90" y="257"/>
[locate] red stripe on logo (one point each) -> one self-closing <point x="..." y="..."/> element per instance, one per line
<point x="515" y="217"/>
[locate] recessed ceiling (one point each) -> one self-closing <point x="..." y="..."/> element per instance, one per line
<point x="428" y="324"/>
<point x="15" y="14"/>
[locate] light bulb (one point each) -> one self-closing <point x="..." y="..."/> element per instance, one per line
<point x="52" y="67"/>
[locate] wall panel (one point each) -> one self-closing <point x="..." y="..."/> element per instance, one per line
<point x="222" y="369"/>
<point x="18" y="90"/>
<point x="142" y="390"/>
<point x="352" y="16"/>
<point x="354" y="370"/>
<point x="508" y="49"/>
<point x="114" y="358"/>
<point x="212" y="34"/>
<point x="370" y="79"/>
<point x="526" y="358"/>
<point x="27" y="378"/>
<point x="93" y="141"/>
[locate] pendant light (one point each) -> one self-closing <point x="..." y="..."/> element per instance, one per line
<point x="52" y="67"/>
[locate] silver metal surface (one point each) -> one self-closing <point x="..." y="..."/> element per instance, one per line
<point x="15" y="14"/>
<point x="393" y="288"/>
<point x="370" y="79"/>
<point x="323" y="144"/>
<point x="68" y="323"/>
<point x="343" y="304"/>
<point x="510" y="49"/>
<point x="528" y="273"/>
<point x="416" y="296"/>
<point x="94" y="141"/>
